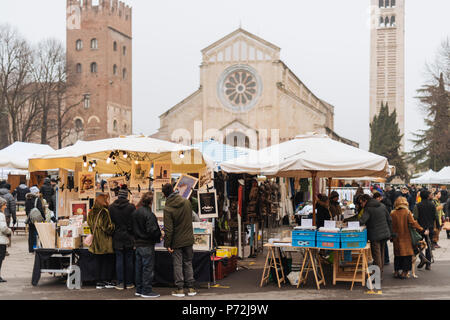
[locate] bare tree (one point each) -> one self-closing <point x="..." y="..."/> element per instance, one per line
<point x="15" y="83"/>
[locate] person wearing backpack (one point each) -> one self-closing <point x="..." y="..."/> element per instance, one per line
<point x="33" y="206"/>
<point x="146" y="234"/>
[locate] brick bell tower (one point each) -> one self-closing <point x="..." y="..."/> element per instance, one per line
<point x="99" y="68"/>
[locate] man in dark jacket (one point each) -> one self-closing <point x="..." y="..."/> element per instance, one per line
<point x="388" y="205"/>
<point x="425" y="214"/>
<point x="10" y="211"/>
<point x="179" y="239"/>
<point x="47" y="193"/>
<point x="378" y="221"/>
<point x="121" y="212"/>
<point x="146" y="234"/>
<point x="21" y="191"/>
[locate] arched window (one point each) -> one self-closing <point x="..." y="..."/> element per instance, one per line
<point x="381" y="24"/>
<point x="393" y="21"/>
<point x="124" y="73"/>
<point x="381" y="3"/>
<point x="115" y="69"/>
<point x="115" y="46"/>
<point x="235" y="141"/>
<point x="387" y="4"/>
<point x="124" y="50"/>
<point x="392" y="3"/>
<point x="87" y="101"/>
<point x="247" y="142"/>
<point x="94" y="44"/>
<point x="79" y="68"/>
<point x="79" y="125"/>
<point x="125" y="128"/>
<point x="386" y="22"/>
<point x="79" y="45"/>
<point x="115" y="125"/>
<point x="94" y="67"/>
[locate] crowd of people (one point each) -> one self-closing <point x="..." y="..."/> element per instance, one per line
<point x="128" y="234"/>
<point x="410" y="217"/>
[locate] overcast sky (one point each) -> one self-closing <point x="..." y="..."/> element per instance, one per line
<point x="326" y="44"/>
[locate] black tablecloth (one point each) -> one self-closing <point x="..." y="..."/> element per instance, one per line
<point x="202" y="265"/>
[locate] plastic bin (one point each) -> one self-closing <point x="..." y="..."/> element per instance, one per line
<point x="304" y="238"/>
<point x="328" y="240"/>
<point x="354" y="240"/>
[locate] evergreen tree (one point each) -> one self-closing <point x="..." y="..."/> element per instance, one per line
<point x="386" y="140"/>
<point x="432" y="145"/>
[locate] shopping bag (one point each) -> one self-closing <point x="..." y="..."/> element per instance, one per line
<point x="446" y="225"/>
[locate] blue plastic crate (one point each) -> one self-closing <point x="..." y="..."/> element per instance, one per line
<point x="354" y="240"/>
<point x="328" y="240"/>
<point x="304" y="238"/>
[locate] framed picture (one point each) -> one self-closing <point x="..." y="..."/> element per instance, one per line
<point x="86" y="185"/>
<point x="113" y="185"/>
<point x="79" y="208"/>
<point x="206" y="179"/>
<point x="207" y="204"/>
<point x="162" y="173"/>
<point x="136" y="195"/>
<point x="160" y="246"/>
<point x="140" y="174"/>
<point x="185" y="185"/>
<point x="159" y="201"/>
<point x="202" y="242"/>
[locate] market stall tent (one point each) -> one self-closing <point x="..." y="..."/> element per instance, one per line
<point x="429" y="177"/>
<point x="443" y="176"/>
<point x="309" y="154"/>
<point x="217" y="152"/>
<point x="137" y="148"/>
<point x="17" y="154"/>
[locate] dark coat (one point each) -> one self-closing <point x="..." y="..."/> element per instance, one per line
<point x="377" y="220"/>
<point x="21" y="192"/>
<point x="425" y="214"/>
<point x="121" y="212"/>
<point x="145" y="228"/>
<point x="30" y="199"/>
<point x="322" y="213"/>
<point x="387" y="203"/>
<point x="402" y="219"/>
<point x="47" y="192"/>
<point x="178" y="230"/>
<point x="10" y="203"/>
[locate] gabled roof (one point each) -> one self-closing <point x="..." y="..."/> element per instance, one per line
<point x="237" y="121"/>
<point x="241" y="31"/>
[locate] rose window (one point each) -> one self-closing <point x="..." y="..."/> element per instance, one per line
<point x="239" y="88"/>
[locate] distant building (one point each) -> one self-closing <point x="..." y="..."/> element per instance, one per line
<point x="99" y="72"/>
<point x="245" y="92"/>
<point x="387" y="59"/>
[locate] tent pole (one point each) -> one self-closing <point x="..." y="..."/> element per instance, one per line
<point x="314" y="175"/>
<point x="329" y="187"/>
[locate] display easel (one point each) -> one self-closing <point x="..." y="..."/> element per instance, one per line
<point x="273" y="260"/>
<point x="311" y="262"/>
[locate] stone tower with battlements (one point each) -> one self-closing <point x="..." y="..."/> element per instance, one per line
<point x="387" y="59"/>
<point x="99" y="68"/>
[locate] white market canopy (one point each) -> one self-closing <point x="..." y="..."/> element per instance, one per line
<point x="308" y="155"/>
<point x="17" y="154"/>
<point x="443" y="176"/>
<point x="428" y="177"/>
<point x="184" y="159"/>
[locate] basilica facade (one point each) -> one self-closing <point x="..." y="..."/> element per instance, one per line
<point x="247" y="97"/>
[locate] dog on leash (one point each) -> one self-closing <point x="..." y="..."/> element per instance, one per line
<point x="421" y="246"/>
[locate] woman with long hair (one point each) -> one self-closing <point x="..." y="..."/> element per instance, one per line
<point x="402" y="219"/>
<point x="102" y="229"/>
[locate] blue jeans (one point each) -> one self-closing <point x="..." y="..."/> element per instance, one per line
<point x="124" y="262"/>
<point x="145" y="269"/>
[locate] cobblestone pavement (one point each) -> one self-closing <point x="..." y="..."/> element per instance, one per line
<point x="243" y="284"/>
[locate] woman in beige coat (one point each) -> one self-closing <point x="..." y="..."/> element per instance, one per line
<point x="402" y="219"/>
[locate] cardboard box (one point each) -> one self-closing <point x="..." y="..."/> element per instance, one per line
<point x="69" y="243"/>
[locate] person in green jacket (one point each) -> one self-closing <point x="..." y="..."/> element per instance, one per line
<point x="102" y="228"/>
<point x="179" y="239"/>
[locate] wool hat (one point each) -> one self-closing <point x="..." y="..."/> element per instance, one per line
<point x="34" y="190"/>
<point x="123" y="194"/>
